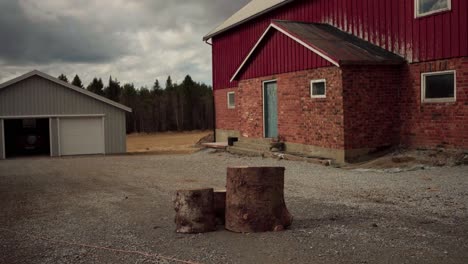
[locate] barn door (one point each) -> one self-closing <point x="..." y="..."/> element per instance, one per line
<point x="270" y="109"/>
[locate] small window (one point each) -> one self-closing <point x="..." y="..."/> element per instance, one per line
<point x="318" y="89"/>
<point x="428" y="7"/>
<point x="439" y="86"/>
<point x="231" y="100"/>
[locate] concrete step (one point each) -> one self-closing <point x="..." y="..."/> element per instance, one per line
<point x="259" y="141"/>
<point x="253" y="146"/>
<point x="245" y="152"/>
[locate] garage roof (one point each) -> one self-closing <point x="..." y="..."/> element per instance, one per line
<point x="250" y="11"/>
<point x="64" y="84"/>
<point x="332" y="44"/>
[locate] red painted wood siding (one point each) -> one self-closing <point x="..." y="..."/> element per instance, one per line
<point x="270" y="59"/>
<point x="387" y="23"/>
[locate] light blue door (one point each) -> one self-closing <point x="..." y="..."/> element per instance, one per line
<point x="270" y="109"/>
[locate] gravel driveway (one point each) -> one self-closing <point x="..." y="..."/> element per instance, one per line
<point x="118" y="209"/>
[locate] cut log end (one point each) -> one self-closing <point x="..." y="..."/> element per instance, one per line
<point x="194" y="211"/>
<point x="255" y="200"/>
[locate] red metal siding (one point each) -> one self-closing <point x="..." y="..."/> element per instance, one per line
<point x="387" y="23"/>
<point x="271" y="57"/>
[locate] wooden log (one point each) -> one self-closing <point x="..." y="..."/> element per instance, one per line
<point x="255" y="200"/>
<point x="194" y="211"/>
<point x="220" y="206"/>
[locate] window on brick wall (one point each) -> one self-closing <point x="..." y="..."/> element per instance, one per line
<point x="439" y="86"/>
<point x="318" y="88"/>
<point x="428" y="7"/>
<point x="231" y="103"/>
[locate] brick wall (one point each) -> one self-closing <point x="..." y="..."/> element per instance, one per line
<point x="226" y="118"/>
<point x="371" y="106"/>
<point x="366" y="107"/>
<point x="434" y="124"/>
<point x="301" y="119"/>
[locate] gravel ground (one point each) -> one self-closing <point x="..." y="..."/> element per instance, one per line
<point x="118" y="209"/>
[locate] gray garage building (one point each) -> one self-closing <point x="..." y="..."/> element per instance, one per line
<point x="41" y="115"/>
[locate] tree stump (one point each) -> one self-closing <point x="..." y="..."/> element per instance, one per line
<point x="255" y="200"/>
<point x="220" y="206"/>
<point x="194" y="211"/>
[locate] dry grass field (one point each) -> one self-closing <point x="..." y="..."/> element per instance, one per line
<point x="165" y="143"/>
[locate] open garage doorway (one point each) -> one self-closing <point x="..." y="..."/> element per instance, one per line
<point x="27" y="137"/>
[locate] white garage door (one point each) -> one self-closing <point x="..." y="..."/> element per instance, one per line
<point x="81" y="136"/>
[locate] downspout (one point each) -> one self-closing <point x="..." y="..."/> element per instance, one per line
<point x="214" y="108"/>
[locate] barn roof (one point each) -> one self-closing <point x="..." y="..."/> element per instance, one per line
<point x="64" y="84"/>
<point x="332" y="44"/>
<point x="250" y="11"/>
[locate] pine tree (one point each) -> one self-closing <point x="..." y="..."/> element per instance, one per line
<point x="96" y="86"/>
<point x="169" y="84"/>
<point x="63" y="78"/>
<point x="157" y="90"/>
<point x="77" y="82"/>
<point x="129" y="98"/>
<point x="113" y="90"/>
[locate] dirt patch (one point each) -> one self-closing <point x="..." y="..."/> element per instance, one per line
<point x="404" y="160"/>
<point x="166" y="143"/>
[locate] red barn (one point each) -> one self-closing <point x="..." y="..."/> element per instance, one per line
<point x="343" y="78"/>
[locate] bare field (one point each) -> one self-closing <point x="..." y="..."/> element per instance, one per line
<point x="165" y="143"/>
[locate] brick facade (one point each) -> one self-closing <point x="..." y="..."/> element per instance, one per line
<point x="301" y="119"/>
<point x="366" y="108"/>
<point x="226" y="119"/>
<point x="434" y="124"/>
<point x="371" y="106"/>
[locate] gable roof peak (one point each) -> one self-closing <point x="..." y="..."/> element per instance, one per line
<point x="63" y="84"/>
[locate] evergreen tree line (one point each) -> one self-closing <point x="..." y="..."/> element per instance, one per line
<point x="176" y="107"/>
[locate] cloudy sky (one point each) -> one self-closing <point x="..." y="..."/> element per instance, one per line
<point x="134" y="40"/>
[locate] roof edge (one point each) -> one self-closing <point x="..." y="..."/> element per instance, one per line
<point x="273" y="25"/>
<point x="211" y="35"/>
<point x="62" y="83"/>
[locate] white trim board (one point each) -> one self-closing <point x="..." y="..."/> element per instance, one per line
<point x="425" y="100"/>
<point x="228" y="103"/>
<point x="50" y="136"/>
<point x="58" y="139"/>
<point x="64" y="84"/>
<point x="48" y="116"/>
<point x="273" y="25"/>
<point x="103" y="124"/>
<point x="311" y="88"/>
<point x="420" y="15"/>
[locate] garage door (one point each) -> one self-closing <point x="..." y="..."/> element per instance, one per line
<point x="81" y="136"/>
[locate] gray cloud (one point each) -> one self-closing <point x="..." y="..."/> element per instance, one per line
<point x="27" y="40"/>
<point x="136" y="41"/>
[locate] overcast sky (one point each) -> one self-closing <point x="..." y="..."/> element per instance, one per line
<point x="134" y="40"/>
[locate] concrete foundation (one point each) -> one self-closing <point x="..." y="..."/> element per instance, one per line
<point x="222" y="135"/>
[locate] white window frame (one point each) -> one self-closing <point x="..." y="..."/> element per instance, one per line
<point x="229" y="106"/>
<point x="312" y="95"/>
<point x="418" y="15"/>
<point x="438" y="100"/>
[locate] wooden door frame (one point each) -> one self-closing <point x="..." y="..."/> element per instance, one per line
<point x="263" y="102"/>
